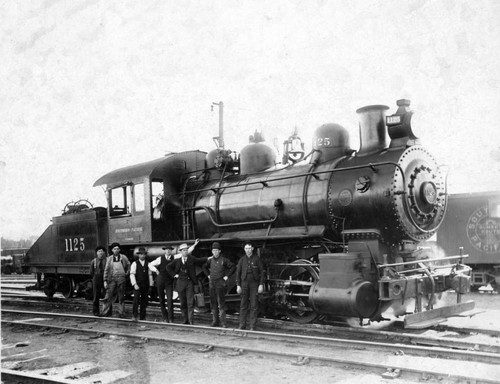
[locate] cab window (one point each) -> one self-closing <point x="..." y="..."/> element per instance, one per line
<point x="139" y="198"/>
<point x="119" y="201"/>
<point x="157" y="198"/>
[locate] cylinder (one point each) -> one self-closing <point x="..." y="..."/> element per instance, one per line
<point x="341" y="290"/>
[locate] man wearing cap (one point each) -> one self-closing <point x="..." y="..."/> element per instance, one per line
<point x="218" y="269"/>
<point x="97" y="272"/>
<point x="249" y="282"/>
<point x="115" y="273"/>
<point x="141" y="279"/>
<point x="165" y="282"/>
<point x="183" y="269"/>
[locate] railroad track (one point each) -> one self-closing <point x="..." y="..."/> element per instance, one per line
<point x="445" y="337"/>
<point x="480" y="367"/>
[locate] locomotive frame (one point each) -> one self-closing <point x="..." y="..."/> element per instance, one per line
<point x="359" y="215"/>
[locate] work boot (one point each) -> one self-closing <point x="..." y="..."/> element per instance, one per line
<point x="215" y="322"/>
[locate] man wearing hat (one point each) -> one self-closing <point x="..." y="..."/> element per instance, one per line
<point x="141" y="279"/>
<point x="184" y="270"/>
<point x="115" y="273"/>
<point x="249" y="283"/>
<point x="218" y="269"/>
<point x="97" y="272"/>
<point x="165" y="282"/>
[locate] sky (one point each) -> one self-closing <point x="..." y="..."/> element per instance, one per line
<point x="89" y="86"/>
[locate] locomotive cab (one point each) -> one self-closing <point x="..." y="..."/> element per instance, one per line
<point x="145" y="200"/>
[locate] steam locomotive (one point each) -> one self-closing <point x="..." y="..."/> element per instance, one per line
<point x="338" y="230"/>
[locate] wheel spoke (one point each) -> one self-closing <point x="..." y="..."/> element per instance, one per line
<point x="299" y="309"/>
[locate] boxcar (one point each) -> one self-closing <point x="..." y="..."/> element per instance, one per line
<point x="472" y="221"/>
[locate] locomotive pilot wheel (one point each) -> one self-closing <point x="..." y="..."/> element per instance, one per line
<point x="299" y="309"/>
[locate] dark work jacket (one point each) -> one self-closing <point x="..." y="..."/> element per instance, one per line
<point x="257" y="269"/>
<point x="162" y="269"/>
<point x="95" y="271"/>
<point x="227" y="266"/>
<point x="175" y="266"/>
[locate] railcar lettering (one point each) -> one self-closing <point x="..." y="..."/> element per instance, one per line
<point x="483" y="231"/>
<point x="126" y="230"/>
<point x="75" y="244"/>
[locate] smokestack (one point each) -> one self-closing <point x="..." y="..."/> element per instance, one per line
<point x="372" y="129"/>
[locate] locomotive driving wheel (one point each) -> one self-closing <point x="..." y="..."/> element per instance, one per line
<point x="300" y="275"/>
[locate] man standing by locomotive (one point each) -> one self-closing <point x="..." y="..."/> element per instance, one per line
<point x="141" y="279"/>
<point x="249" y="283"/>
<point x="115" y="273"/>
<point x="165" y="281"/>
<point x="183" y="269"/>
<point x="218" y="269"/>
<point x="97" y="272"/>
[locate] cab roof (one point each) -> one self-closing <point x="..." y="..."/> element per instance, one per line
<point x="159" y="168"/>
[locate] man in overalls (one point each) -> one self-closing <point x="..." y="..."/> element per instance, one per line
<point x="115" y="275"/>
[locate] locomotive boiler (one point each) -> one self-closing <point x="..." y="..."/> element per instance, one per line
<point x="338" y="230"/>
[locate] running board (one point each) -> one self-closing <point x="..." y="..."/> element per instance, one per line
<point x="426" y="319"/>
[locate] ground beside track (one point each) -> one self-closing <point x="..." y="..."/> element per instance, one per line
<point x="160" y="362"/>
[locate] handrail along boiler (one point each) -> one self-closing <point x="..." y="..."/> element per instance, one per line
<point x="338" y="230"/>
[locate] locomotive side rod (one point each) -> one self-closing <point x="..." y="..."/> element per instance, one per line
<point x="293" y="265"/>
<point x="424" y="268"/>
